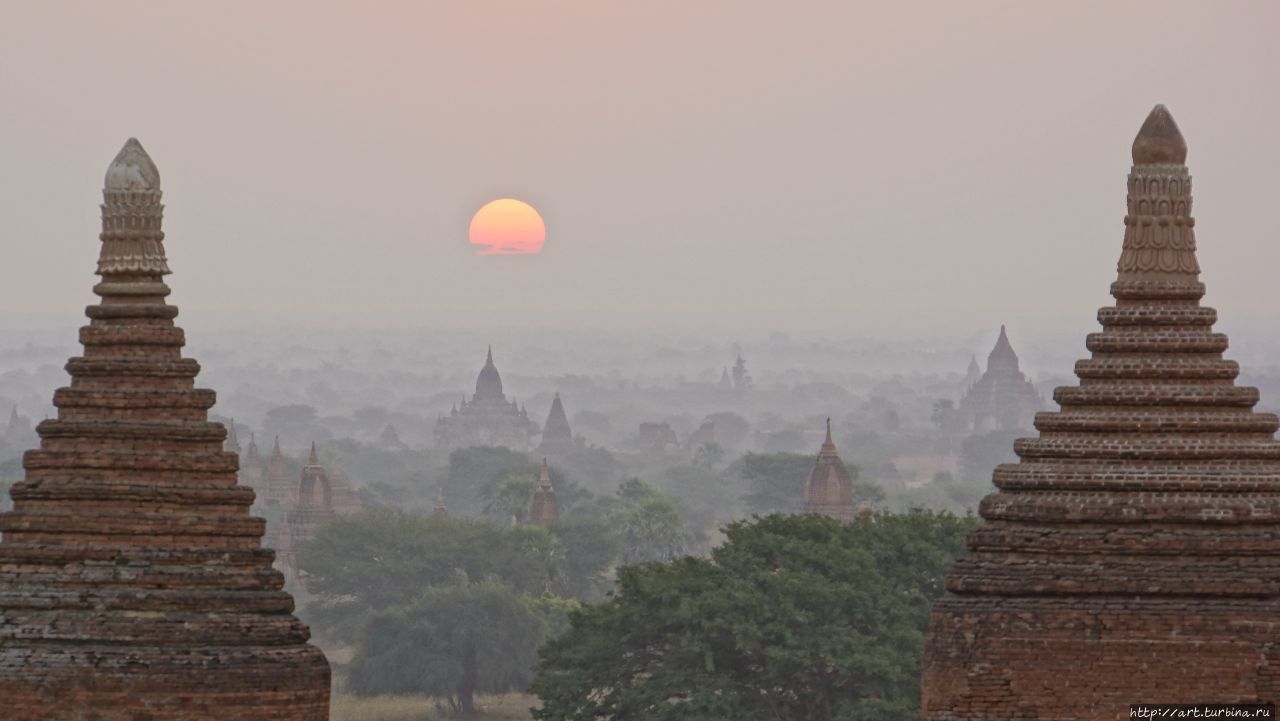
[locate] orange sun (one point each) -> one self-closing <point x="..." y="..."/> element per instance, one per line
<point x="507" y="227"/>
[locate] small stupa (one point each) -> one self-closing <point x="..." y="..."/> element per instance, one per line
<point x="544" y="508"/>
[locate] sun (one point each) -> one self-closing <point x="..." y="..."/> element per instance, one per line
<point x="507" y="227"/>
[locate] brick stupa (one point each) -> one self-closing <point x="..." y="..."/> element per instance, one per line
<point x="133" y="584"/>
<point x="544" y="508"/>
<point x="1132" y="555"/>
<point x="828" y="491"/>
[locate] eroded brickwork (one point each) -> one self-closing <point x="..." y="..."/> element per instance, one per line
<point x="1133" y="553"/>
<point x="133" y="585"/>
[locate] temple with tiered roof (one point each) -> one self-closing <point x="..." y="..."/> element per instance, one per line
<point x="488" y="419"/>
<point x="133" y="582"/>
<point x="1001" y="398"/>
<point x="1132" y="554"/>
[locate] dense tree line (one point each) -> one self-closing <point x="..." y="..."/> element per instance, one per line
<point x="797" y="618"/>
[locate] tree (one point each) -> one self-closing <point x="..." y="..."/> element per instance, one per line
<point x="946" y="417"/>
<point x="510" y="500"/>
<point x="794" y="618"/>
<point x="741" y="379"/>
<point x="379" y="559"/>
<point x="775" y="481"/>
<point x="708" y="455"/>
<point x="731" y="428"/>
<point x="590" y="549"/>
<point x="647" y="525"/>
<point x="457" y="640"/>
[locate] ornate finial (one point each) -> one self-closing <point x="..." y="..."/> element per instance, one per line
<point x="829" y="441"/>
<point x="1159" y="142"/>
<point x="313" y="460"/>
<point x="276" y="450"/>
<point x="1159" y="237"/>
<point x="132" y="240"/>
<point x="132" y="170"/>
<point x="489" y="358"/>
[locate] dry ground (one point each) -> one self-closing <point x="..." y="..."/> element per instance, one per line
<point x="513" y="707"/>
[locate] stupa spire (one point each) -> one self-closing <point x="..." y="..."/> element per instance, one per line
<point x="132" y="260"/>
<point x="1159" y="253"/>
<point x="136" y="584"/>
<point x="1142" y="522"/>
<point x="251" y="455"/>
<point x="313" y="460"/>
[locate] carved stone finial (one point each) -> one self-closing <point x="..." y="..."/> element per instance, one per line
<point x="132" y="237"/>
<point x="1159" y="142"/>
<point x="132" y="170"/>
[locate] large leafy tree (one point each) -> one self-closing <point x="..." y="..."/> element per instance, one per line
<point x="794" y="618"/>
<point x="455" y="641"/>
<point x="384" y="558"/>
<point x="647" y="525"/>
<point x="775" y="481"/>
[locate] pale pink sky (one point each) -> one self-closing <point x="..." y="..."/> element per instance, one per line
<point x="719" y="163"/>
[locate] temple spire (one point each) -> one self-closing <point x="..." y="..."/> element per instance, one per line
<point x="828" y="490"/>
<point x="544" y="509"/>
<point x="1159" y="254"/>
<point x="132" y="259"/>
<point x="314" y="460"/>
<point x="440" y="511"/>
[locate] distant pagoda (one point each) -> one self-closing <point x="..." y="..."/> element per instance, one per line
<point x="1133" y="553"/>
<point x="1002" y="398"/>
<point x="389" y="440"/>
<point x="279" y="488"/>
<point x="132" y="581"/>
<point x="313" y="506"/>
<point x="251" y="468"/>
<point x="556" y="436"/>
<point x="232" y="444"/>
<point x="489" y="419"/>
<point x="829" y="489"/>
<point x="544" y="508"/>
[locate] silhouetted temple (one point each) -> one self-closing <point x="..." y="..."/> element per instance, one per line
<point x="389" y="440"/>
<point x="1133" y="553"/>
<point x="1002" y="398"/>
<point x="488" y="419"/>
<point x="18" y="434"/>
<point x="544" y="508"/>
<point x="313" y="507"/>
<point x="829" y="489"/>
<point x="556" y="436"/>
<point x="972" y="374"/>
<point x="132" y="581"/>
<point x="251" y="468"/>
<point x="278" y="486"/>
<point x="345" y="498"/>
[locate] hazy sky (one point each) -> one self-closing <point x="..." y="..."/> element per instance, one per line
<point x="699" y="163"/>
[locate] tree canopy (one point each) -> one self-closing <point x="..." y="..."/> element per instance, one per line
<point x="798" y="618"/>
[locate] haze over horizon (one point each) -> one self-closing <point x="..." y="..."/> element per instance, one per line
<point x="724" y="166"/>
